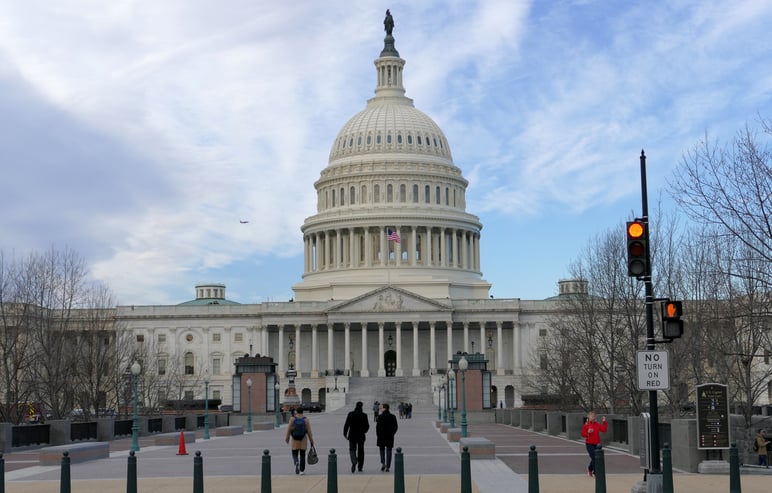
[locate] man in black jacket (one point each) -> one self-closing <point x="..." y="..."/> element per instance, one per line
<point x="385" y="429"/>
<point x="354" y="430"/>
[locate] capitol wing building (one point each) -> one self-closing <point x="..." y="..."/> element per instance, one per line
<point x="392" y="283"/>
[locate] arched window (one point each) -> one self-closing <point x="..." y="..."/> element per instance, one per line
<point x="409" y="139"/>
<point x="351" y="197"/>
<point x="342" y="196"/>
<point x="437" y="195"/>
<point x="333" y="197"/>
<point x="427" y="194"/>
<point x="369" y="139"/>
<point x="419" y="140"/>
<point x="415" y="193"/>
<point x="389" y="193"/>
<point x="447" y="196"/>
<point x="388" y="139"/>
<point x="363" y="195"/>
<point x="399" y="138"/>
<point x="376" y="193"/>
<point x="402" y="193"/>
<point x="378" y="139"/>
<point x="359" y="140"/>
<point x="189" y="363"/>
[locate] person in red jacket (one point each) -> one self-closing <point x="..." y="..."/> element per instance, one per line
<point x="591" y="432"/>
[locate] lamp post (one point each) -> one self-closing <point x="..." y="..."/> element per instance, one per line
<point x="206" y="404"/>
<point x="439" y="411"/>
<point x="135" y="369"/>
<point x="463" y="364"/>
<point x="445" y="402"/>
<point x="249" y="404"/>
<point x="451" y="387"/>
<point x="276" y="404"/>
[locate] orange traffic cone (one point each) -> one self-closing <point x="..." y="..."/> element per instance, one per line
<point x="182" y="450"/>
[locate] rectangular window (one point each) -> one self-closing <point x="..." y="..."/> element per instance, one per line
<point x="161" y="338"/>
<point x="239" y="337"/>
<point x="188" y="395"/>
<point x="216" y="337"/>
<point x="140" y="337"/>
<point x="162" y="367"/>
<point x="215" y="366"/>
<point x="216" y="394"/>
<point x="543" y="361"/>
<point x="542" y="332"/>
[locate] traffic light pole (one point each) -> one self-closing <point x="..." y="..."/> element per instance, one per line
<point x="654" y="479"/>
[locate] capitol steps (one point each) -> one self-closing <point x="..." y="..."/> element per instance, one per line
<point x="391" y="390"/>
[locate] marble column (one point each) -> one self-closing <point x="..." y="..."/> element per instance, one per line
<point x="432" y="349"/>
<point x="314" y="351"/>
<point x="399" y="372"/>
<point x="466" y="337"/>
<point x="330" y="346"/>
<point x="298" y="357"/>
<point x="381" y="367"/>
<point x="416" y="369"/>
<point x="282" y="356"/>
<point x="365" y="372"/>
<point x="499" y="349"/>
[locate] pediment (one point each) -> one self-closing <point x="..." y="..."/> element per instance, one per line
<point x="389" y="299"/>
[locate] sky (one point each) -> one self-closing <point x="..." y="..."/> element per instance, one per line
<point x="140" y="133"/>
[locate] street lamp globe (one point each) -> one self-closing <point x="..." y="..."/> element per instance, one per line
<point x="206" y="404"/>
<point x="463" y="364"/>
<point x="452" y="389"/>
<point x="135" y="368"/>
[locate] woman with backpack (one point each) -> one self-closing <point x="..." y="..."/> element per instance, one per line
<point x="299" y="431"/>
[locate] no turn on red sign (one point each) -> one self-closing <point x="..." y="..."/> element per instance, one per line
<point x="653" y="370"/>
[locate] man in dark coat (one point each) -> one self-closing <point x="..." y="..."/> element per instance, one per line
<point x="354" y="430"/>
<point x="385" y="429"/>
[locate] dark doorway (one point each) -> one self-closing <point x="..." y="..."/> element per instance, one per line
<point x="390" y="361"/>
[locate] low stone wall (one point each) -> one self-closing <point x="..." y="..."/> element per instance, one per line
<point x="78" y="452"/>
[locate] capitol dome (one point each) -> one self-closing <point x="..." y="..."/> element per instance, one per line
<point x="391" y="205"/>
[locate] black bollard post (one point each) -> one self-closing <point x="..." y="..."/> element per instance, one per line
<point x="466" y="472"/>
<point x="399" y="472"/>
<point x="332" y="472"/>
<point x="265" y="472"/>
<point x="131" y="473"/>
<point x="198" y="473"/>
<point x="734" y="470"/>
<point x="533" y="470"/>
<point x="600" y="469"/>
<point x="64" y="482"/>
<point x="667" y="469"/>
<point x="2" y="473"/>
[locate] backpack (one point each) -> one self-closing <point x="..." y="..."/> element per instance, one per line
<point x="755" y="446"/>
<point x="299" y="428"/>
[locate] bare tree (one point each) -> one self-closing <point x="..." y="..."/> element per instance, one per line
<point x="730" y="187"/>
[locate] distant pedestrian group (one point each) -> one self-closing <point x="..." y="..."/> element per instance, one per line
<point x="405" y="410"/>
<point x="355" y="431"/>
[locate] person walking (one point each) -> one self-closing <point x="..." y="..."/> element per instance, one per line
<point x="376" y="407"/>
<point x="591" y="432"/>
<point x="299" y="431"/>
<point x="761" y="446"/>
<point x="355" y="429"/>
<point x="385" y="429"/>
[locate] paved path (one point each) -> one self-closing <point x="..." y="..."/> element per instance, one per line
<point x="432" y="465"/>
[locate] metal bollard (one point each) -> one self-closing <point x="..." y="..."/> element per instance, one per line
<point x="2" y="473"/>
<point x="332" y="472"/>
<point x="64" y="482"/>
<point x="265" y="472"/>
<point x="600" y="469"/>
<point x="198" y="473"/>
<point x="399" y="472"/>
<point x="734" y="470"/>
<point x="667" y="469"/>
<point x="533" y="470"/>
<point x="466" y="472"/>
<point x="131" y="473"/>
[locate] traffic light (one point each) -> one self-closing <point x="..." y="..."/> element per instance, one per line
<point x="637" y="252"/>
<point x="672" y="325"/>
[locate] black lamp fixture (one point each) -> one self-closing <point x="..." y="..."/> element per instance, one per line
<point x="490" y="341"/>
<point x="390" y="340"/>
<point x="473" y="346"/>
<point x="291" y="343"/>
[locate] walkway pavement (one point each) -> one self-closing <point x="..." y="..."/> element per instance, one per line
<point x="432" y="464"/>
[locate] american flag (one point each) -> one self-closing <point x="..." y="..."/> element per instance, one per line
<point x="393" y="236"/>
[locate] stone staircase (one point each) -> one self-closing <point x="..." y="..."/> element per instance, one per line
<point x="392" y="390"/>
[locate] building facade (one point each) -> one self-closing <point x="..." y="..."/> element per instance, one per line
<point x="392" y="281"/>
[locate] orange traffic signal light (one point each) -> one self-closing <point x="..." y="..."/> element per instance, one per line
<point x="637" y="251"/>
<point x="672" y="325"/>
